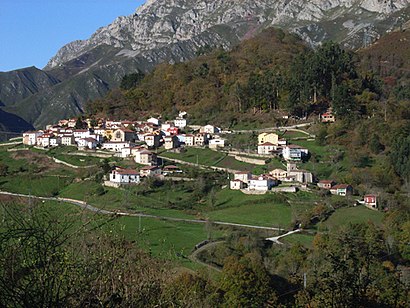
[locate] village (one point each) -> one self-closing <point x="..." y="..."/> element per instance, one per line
<point x="141" y="141"/>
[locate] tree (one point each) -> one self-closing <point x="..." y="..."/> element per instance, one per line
<point x="132" y="80"/>
<point x="344" y="104"/>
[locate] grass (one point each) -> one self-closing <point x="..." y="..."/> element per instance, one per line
<point x="345" y="216"/>
<point x="262" y="210"/>
<point x="201" y="156"/>
<point x="299" y="238"/>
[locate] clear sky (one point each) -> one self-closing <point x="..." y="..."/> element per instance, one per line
<point x="32" y="31"/>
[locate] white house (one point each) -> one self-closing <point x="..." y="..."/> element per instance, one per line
<point x="237" y="185"/>
<point x="242" y="176"/>
<point x="262" y="183"/>
<point x="55" y="141"/>
<point x="216" y="143"/>
<point x="154" y="121"/>
<point x="279" y="173"/>
<point x="30" y="138"/>
<point x="150" y="171"/>
<point x="189" y="140"/>
<point x="145" y="157"/>
<point x="81" y="134"/>
<point x="87" y="143"/>
<point x="294" y="152"/>
<point x="200" y="140"/>
<point x="116" y="146"/>
<point x="152" y="140"/>
<point x="266" y="148"/>
<point x="171" y="142"/>
<point x="180" y="122"/>
<point x="124" y="176"/>
<point x="209" y="129"/>
<point x="67" y="140"/>
<point x="44" y="140"/>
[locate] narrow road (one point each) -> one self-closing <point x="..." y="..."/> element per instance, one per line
<point x="275" y="239"/>
<point x="272" y="129"/>
<point x="194" y="256"/>
<point x="91" y="208"/>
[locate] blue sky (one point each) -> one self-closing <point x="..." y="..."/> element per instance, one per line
<point x="32" y="31"/>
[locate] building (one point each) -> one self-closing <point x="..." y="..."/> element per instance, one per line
<point x="171" y="169"/>
<point x="145" y="157"/>
<point x="301" y="176"/>
<point x="80" y="134"/>
<point x="326" y="184"/>
<point x="262" y="183"/>
<point x="44" y="140"/>
<point x="116" y="146"/>
<point x="180" y="122"/>
<point x="327" y="117"/>
<point x="30" y="138"/>
<point x="171" y="142"/>
<point x="200" y="140"/>
<point x="154" y="121"/>
<point x="189" y="140"/>
<point x="237" y="185"/>
<point x="123" y="134"/>
<point x="124" y="176"/>
<point x="55" y="141"/>
<point x="279" y="173"/>
<point x="67" y="140"/>
<point x="152" y="140"/>
<point x="150" y="171"/>
<point x="209" y="129"/>
<point x="342" y="190"/>
<point x="242" y="176"/>
<point x="266" y="148"/>
<point x="216" y="143"/>
<point x="87" y="143"/>
<point x="370" y="201"/>
<point x="293" y="152"/>
<point x="268" y="137"/>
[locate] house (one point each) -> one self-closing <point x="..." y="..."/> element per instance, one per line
<point x="180" y="122"/>
<point x="67" y="140"/>
<point x="266" y="148"/>
<point x="242" y="176"/>
<point x="268" y="137"/>
<point x="171" y="169"/>
<point x="200" y="140"/>
<point x="237" y="185"/>
<point x="152" y="140"/>
<point x="189" y="140"/>
<point x="112" y="124"/>
<point x="150" y="171"/>
<point x="209" y="129"/>
<point x="216" y="143"/>
<point x="124" y="176"/>
<point x="145" y="157"/>
<point x="262" y="183"/>
<point x="370" y="201"/>
<point x="171" y="142"/>
<point x="44" y="140"/>
<point x="172" y="131"/>
<point x="294" y="152"/>
<point x="30" y="138"/>
<point x="81" y="134"/>
<point x="279" y="173"/>
<point x="301" y="176"/>
<point x="123" y="134"/>
<point x="116" y="146"/>
<point x="55" y="141"/>
<point x="327" y="117"/>
<point x="167" y="125"/>
<point x="154" y="121"/>
<point x="87" y="143"/>
<point x="341" y="190"/>
<point x="326" y="184"/>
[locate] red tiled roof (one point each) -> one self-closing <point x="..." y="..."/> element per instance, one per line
<point x="326" y="181"/>
<point x="266" y="144"/>
<point x="127" y="171"/>
<point x="340" y="186"/>
<point x="149" y="168"/>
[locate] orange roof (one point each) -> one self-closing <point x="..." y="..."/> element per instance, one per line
<point x="127" y="171"/>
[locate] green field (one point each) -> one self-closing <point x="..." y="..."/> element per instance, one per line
<point x="299" y="238"/>
<point x="347" y="215"/>
<point x="201" y="156"/>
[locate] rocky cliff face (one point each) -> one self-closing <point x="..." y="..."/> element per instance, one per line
<point x="163" y="22"/>
<point x="174" y="30"/>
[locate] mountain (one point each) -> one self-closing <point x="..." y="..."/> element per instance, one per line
<point x="176" y="30"/>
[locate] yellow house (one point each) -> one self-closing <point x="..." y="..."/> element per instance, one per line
<point x="268" y="137"/>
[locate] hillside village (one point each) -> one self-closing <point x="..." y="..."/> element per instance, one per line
<point x="141" y="141"/>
